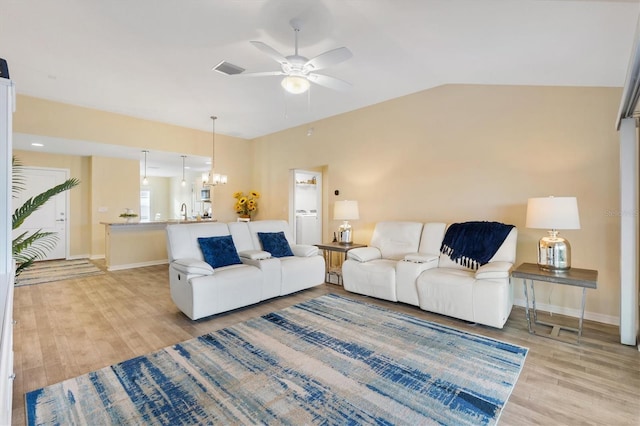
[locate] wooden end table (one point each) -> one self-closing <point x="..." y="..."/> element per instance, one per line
<point x="585" y="278"/>
<point x="332" y="269"/>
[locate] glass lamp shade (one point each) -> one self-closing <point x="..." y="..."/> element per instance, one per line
<point x="345" y="210"/>
<point x="216" y="179"/>
<point x="295" y="85"/>
<point x="553" y="213"/>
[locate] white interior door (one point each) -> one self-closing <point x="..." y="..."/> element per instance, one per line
<point x="52" y="216"/>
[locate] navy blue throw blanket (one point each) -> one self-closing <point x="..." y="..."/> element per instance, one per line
<point x="473" y="244"/>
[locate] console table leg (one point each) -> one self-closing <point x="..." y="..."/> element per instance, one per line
<point x="526" y="305"/>
<point x="584" y="298"/>
<point x="533" y="300"/>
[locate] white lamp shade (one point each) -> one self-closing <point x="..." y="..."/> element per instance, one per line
<point x="553" y="213"/>
<point x="346" y="210"/>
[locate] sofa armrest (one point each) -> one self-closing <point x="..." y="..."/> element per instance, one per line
<point x="421" y="258"/>
<point x="192" y="266"/>
<point x="364" y="254"/>
<point x="304" y="250"/>
<point x="254" y="254"/>
<point x="494" y="270"/>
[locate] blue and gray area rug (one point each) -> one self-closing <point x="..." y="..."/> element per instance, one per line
<point x="330" y="360"/>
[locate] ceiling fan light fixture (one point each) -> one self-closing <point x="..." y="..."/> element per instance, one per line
<point x="295" y="85"/>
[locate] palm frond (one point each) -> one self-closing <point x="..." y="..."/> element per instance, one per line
<point x="34" y="245"/>
<point x="17" y="178"/>
<point x="21" y="267"/>
<point x="29" y="248"/>
<point x="34" y="203"/>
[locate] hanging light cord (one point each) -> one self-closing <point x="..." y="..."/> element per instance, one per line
<point x="213" y="144"/>
<point x="183" y="158"/>
<point x="145" y="163"/>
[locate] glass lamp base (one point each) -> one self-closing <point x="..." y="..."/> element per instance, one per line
<point x="344" y="233"/>
<point x="554" y="253"/>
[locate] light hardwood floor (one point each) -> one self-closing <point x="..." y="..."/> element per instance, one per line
<point x="69" y="328"/>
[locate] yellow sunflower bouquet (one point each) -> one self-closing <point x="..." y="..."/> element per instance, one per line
<point x="246" y="204"/>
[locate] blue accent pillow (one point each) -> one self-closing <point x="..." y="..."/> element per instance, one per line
<point x="219" y="251"/>
<point x="275" y="243"/>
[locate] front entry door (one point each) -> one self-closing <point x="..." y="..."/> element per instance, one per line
<point x="52" y="216"/>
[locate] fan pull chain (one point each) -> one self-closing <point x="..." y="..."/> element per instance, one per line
<point x="284" y="104"/>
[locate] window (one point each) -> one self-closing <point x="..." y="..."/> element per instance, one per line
<point x="145" y="204"/>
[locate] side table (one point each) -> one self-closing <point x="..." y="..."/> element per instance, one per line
<point x="585" y="278"/>
<point x="335" y="268"/>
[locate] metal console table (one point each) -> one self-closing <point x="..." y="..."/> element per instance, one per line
<point x="585" y="278"/>
<point x="335" y="268"/>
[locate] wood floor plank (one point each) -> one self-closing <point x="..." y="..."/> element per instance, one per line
<point x="69" y="328"/>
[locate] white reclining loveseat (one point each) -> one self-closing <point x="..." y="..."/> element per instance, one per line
<point x="230" y="267"/>
<point x="408" y="262"/>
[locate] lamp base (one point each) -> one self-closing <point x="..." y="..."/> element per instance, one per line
<point x="344" y="233"/>
<point x="554" y="253"/>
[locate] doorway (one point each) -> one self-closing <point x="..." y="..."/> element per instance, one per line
<point x="52" y="216"/>
<point x="305" y="213"/>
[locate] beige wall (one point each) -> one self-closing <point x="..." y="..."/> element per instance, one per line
<point x="461" y="152"/>
<point x="54" y="119"/>
<point x="452" y="153"/>
<point x="115" y="188"/>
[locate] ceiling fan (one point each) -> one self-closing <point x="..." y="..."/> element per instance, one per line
<point x="299" y="71"/>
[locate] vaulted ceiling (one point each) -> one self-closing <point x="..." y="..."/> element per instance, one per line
<point x="153" y="58"/>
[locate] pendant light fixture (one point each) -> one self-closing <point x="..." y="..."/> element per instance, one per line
<point x="145" y="181"/>
<point x="184" y="182"/>
<point x="212" y="178"/>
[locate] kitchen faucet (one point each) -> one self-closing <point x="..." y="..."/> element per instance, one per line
<point x="183" y="211"/>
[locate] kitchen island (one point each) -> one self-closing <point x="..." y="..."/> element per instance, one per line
<point x="134" y="244"/>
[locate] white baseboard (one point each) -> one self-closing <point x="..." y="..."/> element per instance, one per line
<point x="137" y="265"/>
<point x="561" y="310"/>
<point x="79" y="256"/>
<point x="96" y="256"/>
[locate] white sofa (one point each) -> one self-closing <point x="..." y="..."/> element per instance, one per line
<point x="199" y="290"/>
<point x="403" y="263"/>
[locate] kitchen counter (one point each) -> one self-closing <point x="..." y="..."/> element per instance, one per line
<point x="135" y="244"/>
<point x="156" y="222"/>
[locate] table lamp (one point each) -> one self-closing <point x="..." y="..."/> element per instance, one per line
<point x="553" y="213"/>
<point x="345" y="210"/>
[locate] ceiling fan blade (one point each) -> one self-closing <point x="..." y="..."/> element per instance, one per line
<point x="271" y="52"/>
<point x="330" y="82"/>
<point x="328" y="58"/>
<point x="259" y="74"/>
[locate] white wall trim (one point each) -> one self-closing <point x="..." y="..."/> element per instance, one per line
<point x="561" y="310"/>
<point x="79" y="256"/>
<point x="137" y="265"/>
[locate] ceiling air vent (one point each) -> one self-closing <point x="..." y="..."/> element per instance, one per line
<point x="228" y="68"/>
